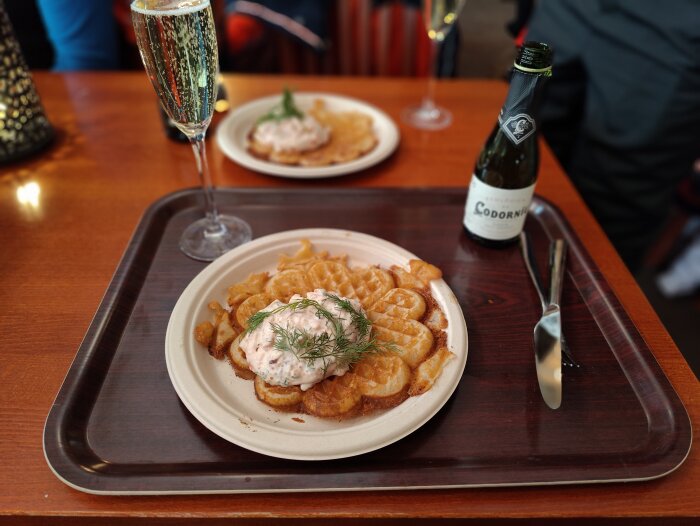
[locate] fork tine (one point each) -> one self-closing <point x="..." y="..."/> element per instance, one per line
<point x="567" y="358"/>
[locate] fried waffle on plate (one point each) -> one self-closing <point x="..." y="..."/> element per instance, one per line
<point x="382" y="398"/>
<point x="378" y="380"/>
<point x="233" y="132"/>
<point x="351" y="137"/>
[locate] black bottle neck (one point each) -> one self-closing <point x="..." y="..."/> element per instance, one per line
<point x="517" y="118"/>
<point x="534" y="57"/>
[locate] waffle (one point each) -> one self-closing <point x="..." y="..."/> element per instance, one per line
<point x="400" y="303"/>
<point x="302" y="259"/>
<point x="335" y="397"/>
<point x="370" y="284"/>
<point x="217" y="336"/>
<point x="237" y="359"/>
<point x="397" y="302"/>
<point x="332" y="276"/>
<point x="239" y="292"/>
<point x="413" y="339"/>
<point x="285" y="284"/>
<point x="351" y="137"/>
<point x="364" y="284"/>
<point x="428" y="371"/>
<point x="284" y="398"/>
<point x="250" y="306"/>
<point x="384" y="379"/>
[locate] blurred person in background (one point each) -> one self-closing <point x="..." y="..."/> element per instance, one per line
<point x="83" y="34"/>
<point x="89" y="35"/>
<point x="346" y="37"/>
<point x="341" y="37"/>
<point x="622" y="109"/>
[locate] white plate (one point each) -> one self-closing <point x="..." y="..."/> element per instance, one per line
<point x="233" y="130"/>
<point x="227" y="404"/>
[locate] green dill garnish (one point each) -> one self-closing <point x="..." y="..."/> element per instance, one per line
<point x="286" y="109"/>
<point x="300" y="342"/>
<point x="256" y="319"/>
<point x="312" y="347"/>
<point x="360" y="320"/>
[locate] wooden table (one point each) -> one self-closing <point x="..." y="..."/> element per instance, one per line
<point x="111" y="160"/>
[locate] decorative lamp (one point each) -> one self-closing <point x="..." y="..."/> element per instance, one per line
<point x="24" y="128"/>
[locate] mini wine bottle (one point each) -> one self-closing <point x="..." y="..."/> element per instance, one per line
<point x="505" y="174"/>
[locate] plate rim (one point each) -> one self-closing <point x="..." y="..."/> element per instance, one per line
<point x="178" y="332"/>
<point x="386" y="146"/>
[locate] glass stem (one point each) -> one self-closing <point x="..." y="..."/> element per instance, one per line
<point x="200" y="156"/>
<point x="429" y="99"/>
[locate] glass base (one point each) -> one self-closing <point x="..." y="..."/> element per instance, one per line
<point x="206" y="240"/>
<point x="427" y="117"/>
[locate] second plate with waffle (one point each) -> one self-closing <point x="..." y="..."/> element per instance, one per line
<point x="233" y="132"/>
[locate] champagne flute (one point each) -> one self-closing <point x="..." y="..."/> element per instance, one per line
<point x="439" y="17"/>
<point x="177" y="42"/>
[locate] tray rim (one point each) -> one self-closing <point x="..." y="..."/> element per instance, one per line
<point x="57" y="414"/>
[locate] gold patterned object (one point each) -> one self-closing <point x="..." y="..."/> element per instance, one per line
<point x="24" y="128"/>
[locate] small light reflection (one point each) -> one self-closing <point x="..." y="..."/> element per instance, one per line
<point x="436" y="35"/>
<point x="28" y="195"/>
<point x="221" y="105"/>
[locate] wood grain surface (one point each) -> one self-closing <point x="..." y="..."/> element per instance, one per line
<point x="111" y="161"/>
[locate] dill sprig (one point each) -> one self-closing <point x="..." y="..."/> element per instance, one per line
<point x="301" y="342"/>
<point x="256" y="319"/>
<point x="362" y="323"/>
<point x="313" y="347"/>
<point x="286" y="109"/>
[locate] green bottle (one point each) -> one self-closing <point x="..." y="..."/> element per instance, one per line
<point x="504" y="178"/>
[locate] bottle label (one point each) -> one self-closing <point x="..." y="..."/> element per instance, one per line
<point x="515" y="118"/>
<point x="518" y="127"/>
<point x="496" y="213"/>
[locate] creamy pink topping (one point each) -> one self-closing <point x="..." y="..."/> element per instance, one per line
<point x="282" y="367"/>
<point x="292" y="134"/>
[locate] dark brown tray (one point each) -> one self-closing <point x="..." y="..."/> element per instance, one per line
<point x="117" y="425"/>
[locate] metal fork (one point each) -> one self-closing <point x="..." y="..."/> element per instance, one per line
<point x="531" y="265"/>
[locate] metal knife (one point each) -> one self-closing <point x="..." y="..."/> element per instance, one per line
<point x="547" y="333"/>
<point x="567" y="358"/>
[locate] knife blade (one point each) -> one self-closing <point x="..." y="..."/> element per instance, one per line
<point x="567" y="358"/>
<point x="547" y="332"/>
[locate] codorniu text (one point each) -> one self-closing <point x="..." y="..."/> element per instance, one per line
<point x="481" y="210"/>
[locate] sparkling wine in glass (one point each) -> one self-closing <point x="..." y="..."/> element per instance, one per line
<point x="439" y="17"/>
<point x="177" y="42"/>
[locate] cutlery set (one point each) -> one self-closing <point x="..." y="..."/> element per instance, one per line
<point x="550" y="346"/>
